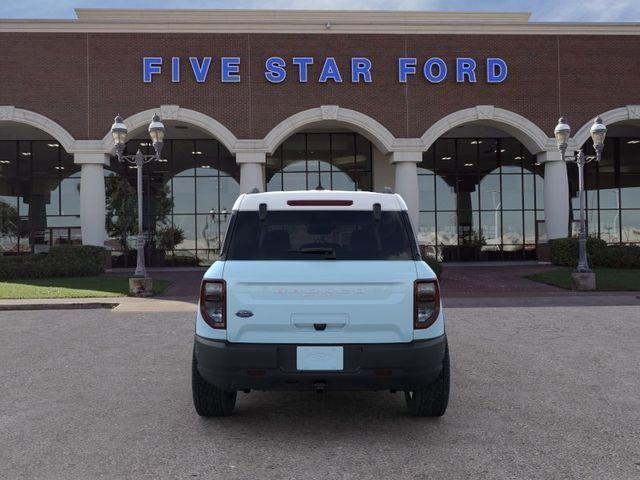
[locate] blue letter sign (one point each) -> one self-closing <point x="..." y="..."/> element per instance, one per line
<point x="150" y="66"/>
<point x="496" y="70"/>
<point x="275" y="69"/>
<point x="434" y="69"/>
<point x="200" y="70"/>
<point x="330" y="71"/>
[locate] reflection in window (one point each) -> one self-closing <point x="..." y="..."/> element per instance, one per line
<point x="479" y="199"/>
<point x="612" y="190"/>
<point x="188" y="197"/>
<point x="39" y="196"/>
<point x="333" y="161"/>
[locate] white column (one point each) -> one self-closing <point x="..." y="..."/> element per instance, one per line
<point x="92" y="197"/>
<point x="406" y="165"/>
<point x="556" y="194"/>
<point x="251" y="170"/>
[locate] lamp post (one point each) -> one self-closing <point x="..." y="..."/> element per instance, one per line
<point x="583" y="278"/>
<point x="119" y="133"/>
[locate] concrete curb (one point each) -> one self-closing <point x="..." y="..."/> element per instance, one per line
<point x="58" y="306"/>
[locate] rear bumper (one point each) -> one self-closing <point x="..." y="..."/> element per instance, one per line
<point x="392" y="366"/>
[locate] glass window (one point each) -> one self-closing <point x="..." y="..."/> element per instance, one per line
<point x="467" y="154"/>
<point x="610" y="225"/>
<point x="341" y="181"/>
<point x="445" y="156"/>
<point x="70" y="196"/>
<point x="207" y="194"/>
<point x="427" y="228"/>
<point x="319" y="153"/>
<point x="320" y="235"/>
<point x="294" y="151"/>
<point x="184" y="153"/>
<point x="188" y="225"/>
<point x="428" y="163"/>
<point x="447" y="228"/>
<point x="490" y="192"/>
<point x="8" y="159"/>
<point x="183" y="195"/>
<point x="487" y="155"/>
<point x="512" y="192"/>
<point x="45" y="158"/>
<point x="445" y="194"/>
<point x="427" y="194"/>
<point x="630" y="226"/>
<point x="363" y="153"/>
<point x="511" y="155"/>
<point x="512" y="229"/>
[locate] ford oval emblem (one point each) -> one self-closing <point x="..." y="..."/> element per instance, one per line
<point x="244" y="313"/>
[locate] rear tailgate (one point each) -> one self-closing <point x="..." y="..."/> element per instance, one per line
<point x="316" y="302"/>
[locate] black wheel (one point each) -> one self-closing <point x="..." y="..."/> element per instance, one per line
<point x="208" y="400"/>
<point x="432" y="401"/>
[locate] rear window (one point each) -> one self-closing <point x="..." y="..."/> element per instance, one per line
<point x="319" y="235"/>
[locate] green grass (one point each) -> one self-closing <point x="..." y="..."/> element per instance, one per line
<point x="607" y="279"/>
<point x="71" y="287"/>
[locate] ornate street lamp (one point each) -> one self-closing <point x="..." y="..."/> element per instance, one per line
<point x="598" y="132"/>
<point x="156" y="132"/>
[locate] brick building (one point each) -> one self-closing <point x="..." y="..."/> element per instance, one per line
<point x="454" y="111"/>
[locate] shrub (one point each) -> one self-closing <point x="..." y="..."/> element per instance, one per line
<point x="564" y="251"/>
<point x="618" y="256"/>
<point x="61" y="261"/>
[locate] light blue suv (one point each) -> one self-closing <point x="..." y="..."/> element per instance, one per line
<point x="320" y="290"/>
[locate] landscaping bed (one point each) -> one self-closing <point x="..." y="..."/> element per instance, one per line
<point x="71" y="287"/>
<point x="607" y="279"/>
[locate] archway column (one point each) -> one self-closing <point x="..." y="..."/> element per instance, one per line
<point x="556" y="194"/>
<point x="406" y="181"/>
<point x="92" y="196"/>
<point x="251" y="170"/>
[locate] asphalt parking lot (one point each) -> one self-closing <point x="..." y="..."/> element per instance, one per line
<point x="538" y="392"/>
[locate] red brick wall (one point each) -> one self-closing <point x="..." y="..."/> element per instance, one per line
<point x="82" y="80"/>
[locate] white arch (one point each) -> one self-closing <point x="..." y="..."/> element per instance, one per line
<point x="621" y="114"/>
<point x="177" y="113"/>
<point x="9" y="113"/>
<point x="528" y="133"/>
<point x="382" y="138"/>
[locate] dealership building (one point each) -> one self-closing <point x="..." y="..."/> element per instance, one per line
<point x="453" y="111"/>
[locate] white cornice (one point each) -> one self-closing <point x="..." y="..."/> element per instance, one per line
<point x="297" y="21"/>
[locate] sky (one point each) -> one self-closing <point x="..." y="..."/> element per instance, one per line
<point x="542" y="10"/>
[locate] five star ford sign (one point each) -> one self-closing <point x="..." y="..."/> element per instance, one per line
<point x="360" y="70"/>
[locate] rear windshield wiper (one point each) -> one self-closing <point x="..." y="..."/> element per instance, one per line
<point x="330" y="253"/>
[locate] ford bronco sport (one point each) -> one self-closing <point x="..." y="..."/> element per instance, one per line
<point x="320" y="290"/>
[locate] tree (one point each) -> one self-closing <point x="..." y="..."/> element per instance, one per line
<point x="122" y="208"/>
<point x="8" y="220"/>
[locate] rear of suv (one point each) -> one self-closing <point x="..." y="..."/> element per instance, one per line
<point x="320" y="290"/>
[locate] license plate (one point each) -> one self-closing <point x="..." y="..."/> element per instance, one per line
<point x="320" y="358"/>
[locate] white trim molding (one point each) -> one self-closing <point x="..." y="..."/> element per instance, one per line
<point x="621" y="114"/>
<point x="527" y="132"/>
<point x="180" y="114"/>
<point x="310" y="21"/>
<point x="373" y="130"/>
<point x="10" y="113"/>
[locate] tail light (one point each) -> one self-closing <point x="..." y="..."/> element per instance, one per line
<point x="213" y="294"/>
<point x="426" y="303"/>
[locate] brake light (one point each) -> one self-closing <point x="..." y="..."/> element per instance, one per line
<point x="426" y="303"/>
<point x="319" y="203"/>
<point x="213" y="295"/>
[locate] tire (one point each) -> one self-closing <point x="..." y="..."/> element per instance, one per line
<point x="432" y="400"/>
<point x="208" y="400"/>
